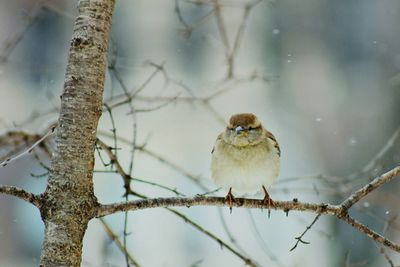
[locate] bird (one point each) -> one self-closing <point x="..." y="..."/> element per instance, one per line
<point x="245" y="158"/>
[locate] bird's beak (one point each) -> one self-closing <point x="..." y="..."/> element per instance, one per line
<point x="239" y="130"/>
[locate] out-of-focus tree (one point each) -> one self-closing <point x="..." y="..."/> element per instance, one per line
<point x="66" y="149"/>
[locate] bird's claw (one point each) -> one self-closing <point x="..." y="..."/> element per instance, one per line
<point x="268" y="202"/>
<point x="230" y="199"/>
<point x="267" y="199"/>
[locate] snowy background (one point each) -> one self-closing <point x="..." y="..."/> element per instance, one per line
<point x="325" y="82"/>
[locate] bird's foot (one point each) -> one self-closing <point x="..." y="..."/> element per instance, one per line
<point x="230" y="199"/>
<point x="267" y="199"/>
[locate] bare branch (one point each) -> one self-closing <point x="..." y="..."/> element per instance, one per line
<point x="362" y="192"/>
<point x="188" y="29"/>
<point x="382" y="250"/>
<point x="174" y="166"/>
<point x="12" y="40"/>
<point x="239" y="37"/>
<point x="232" y="239"/>
<point x="240" y="31"/>
<point x="221" y="26"/>
<point x="336" y="210"/>
<point x="387" y="258"/>
<point x="299" y="238"/>
<point x="340" y="211"/>
<point x="29" y="149"/>
<point x="173" y="190"/>
<point x="372" y="234"/>
<point x="166" y="103"/>
<point x="231" y="52"/>
<point x="129" y="95"/>
<point x="117" y="242"/>
<point x="247" y="261"/>
<point x="21" y="194"/>
<point x="377" y="158"/>
<point x="262" y="242"/>
<point x="193" y="178"/>
<point x="113" y="129"/>
<point x="199" y="200"/>
<point x="114" y="160"/>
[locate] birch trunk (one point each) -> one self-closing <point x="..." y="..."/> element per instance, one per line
<point x="68" y="202"/>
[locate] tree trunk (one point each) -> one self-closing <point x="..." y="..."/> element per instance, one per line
<point x="69" y="201"/>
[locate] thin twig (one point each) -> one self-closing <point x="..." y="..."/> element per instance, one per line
<point x="114" y="160"/>
<point x="193" y="178"/>
<point x="166" y="103"/>
<point x="387" y="258"/>
<point x="188" y="29"/>
<point x="29" y="149"/>
<point x="241" y="29"/>
<point x="299" y="238"/>
<point x="126" y="178"/>
<point x="113" y="130"/>
<point x="372" y="234"/>
<point x="116" y="240"/>
<point x="377" y="158"/>
<point x="12" y="41"/>
<point x="221" y="26"/>
<point x="246" y="260"/>
<point x="262" y="242"/>
<point x="362" y="192"/>
<point x="127" y="96"/>
<point x="142" y="148"/>
<point x="232" y="239"/>
<point x="382" y="250"/>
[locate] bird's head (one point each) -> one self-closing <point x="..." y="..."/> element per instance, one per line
<point x="243" y="129"/>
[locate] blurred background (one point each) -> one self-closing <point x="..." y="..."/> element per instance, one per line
<point x="322" y="75"/>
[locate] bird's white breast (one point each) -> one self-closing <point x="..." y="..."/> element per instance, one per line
<point x="245" y="169"/>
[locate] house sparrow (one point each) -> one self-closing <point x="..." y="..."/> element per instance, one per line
<point x="245" y="158"/>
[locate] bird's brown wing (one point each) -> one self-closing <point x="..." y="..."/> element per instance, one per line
<point x="276" y="145"/>
<point x="218" y="138"/>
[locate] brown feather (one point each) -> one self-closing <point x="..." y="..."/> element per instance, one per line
<point x="272" y="137"/>
<point x="244" y="119"/>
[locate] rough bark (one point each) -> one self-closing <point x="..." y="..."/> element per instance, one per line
<point x="69" y="201"/>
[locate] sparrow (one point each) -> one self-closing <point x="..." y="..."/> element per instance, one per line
<point x="245" y="158"/>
